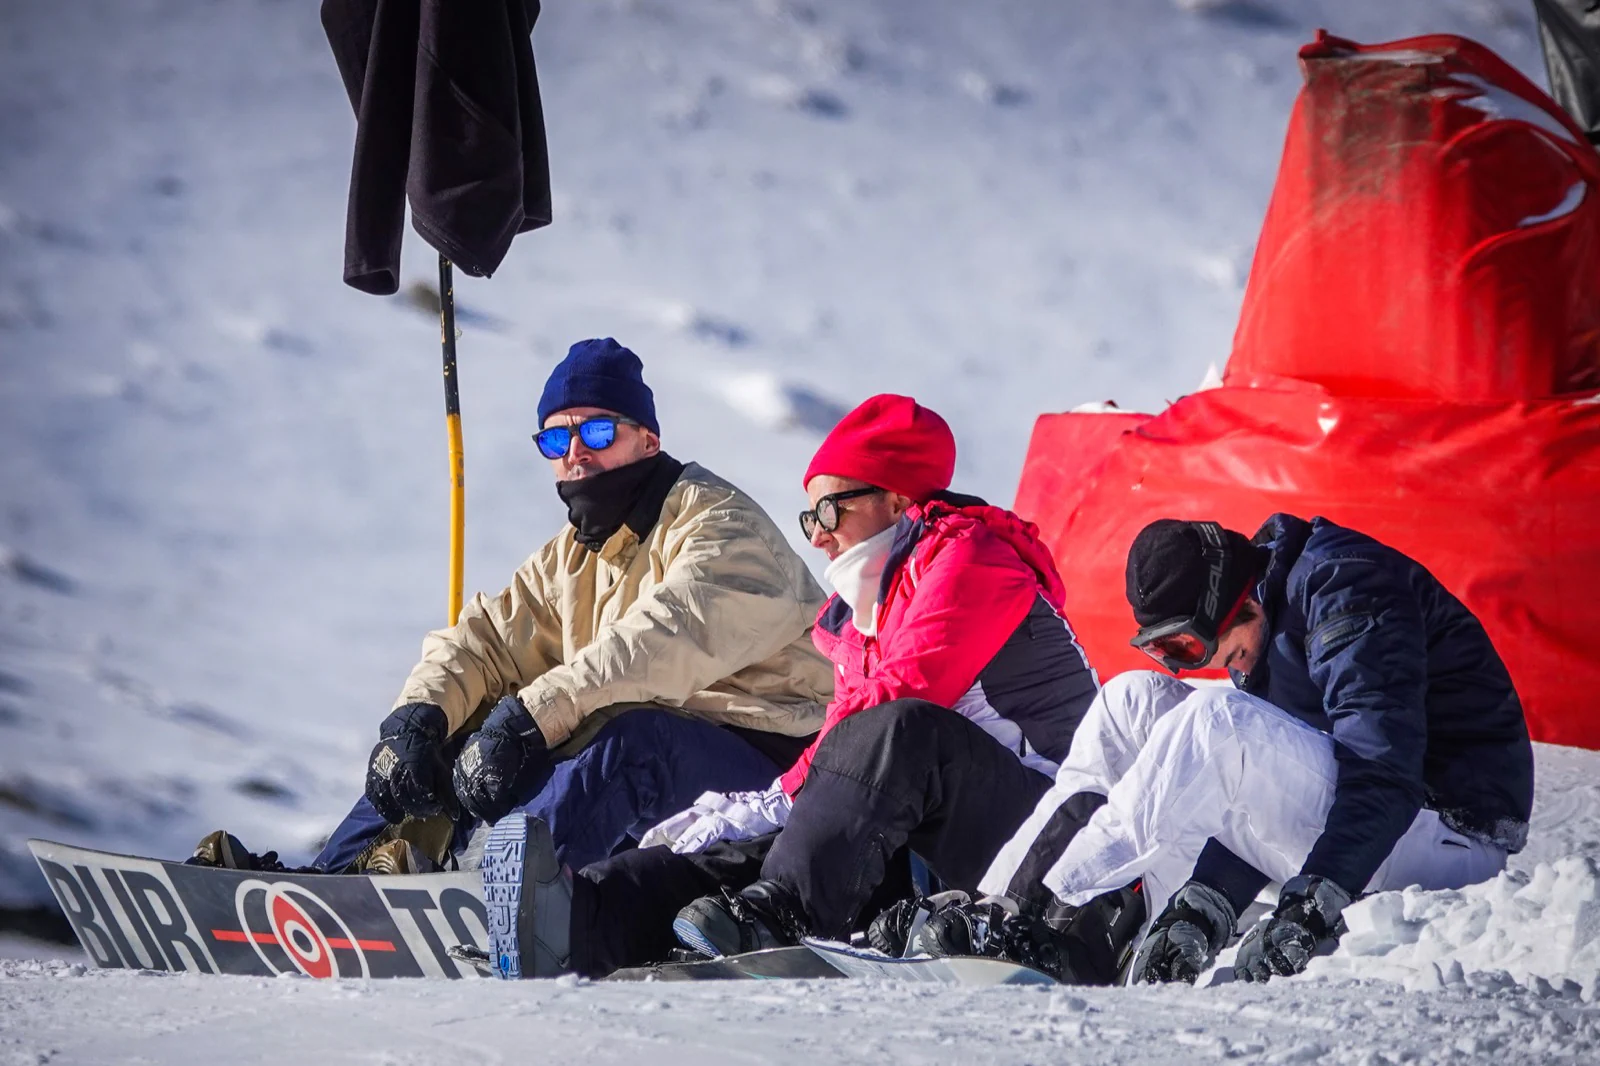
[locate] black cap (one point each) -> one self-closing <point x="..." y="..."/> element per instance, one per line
<point x="1169" y="573"/>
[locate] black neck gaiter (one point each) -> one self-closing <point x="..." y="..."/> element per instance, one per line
<point x="599" y="505"/>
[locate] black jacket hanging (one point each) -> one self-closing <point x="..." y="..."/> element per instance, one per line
<point x="447" y="114"/>
<point x="1569" y="30"/>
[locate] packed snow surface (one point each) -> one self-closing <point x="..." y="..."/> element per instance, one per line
<point x="57" y="1013"/>
<point x="223" y="484"/>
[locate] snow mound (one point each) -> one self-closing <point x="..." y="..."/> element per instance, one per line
<point x="1540" y="930"/>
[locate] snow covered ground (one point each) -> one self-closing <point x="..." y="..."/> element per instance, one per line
<point x="54" y="1013"/>
<point x="1508" y="972"/>
<point x="222" y="479"/>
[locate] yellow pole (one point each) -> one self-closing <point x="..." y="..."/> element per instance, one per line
<point x="458" y="513"/>
<point x="452" y="416"/>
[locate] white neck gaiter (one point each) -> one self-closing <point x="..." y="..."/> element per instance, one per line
<point x="856" y="574"/>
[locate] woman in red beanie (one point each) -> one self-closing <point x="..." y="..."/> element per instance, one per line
<point x="941" y="604"/>
<point x="958" y="686"/>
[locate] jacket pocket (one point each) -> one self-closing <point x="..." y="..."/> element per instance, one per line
<point x="1337" y="633"/>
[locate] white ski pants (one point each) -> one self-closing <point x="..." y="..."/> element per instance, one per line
<point x="1181" y="765"/>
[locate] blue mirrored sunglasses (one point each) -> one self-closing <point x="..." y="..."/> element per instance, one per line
<point x="597" y="434"/>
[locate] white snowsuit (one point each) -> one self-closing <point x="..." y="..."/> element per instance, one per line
<point x="1180" y="765"/>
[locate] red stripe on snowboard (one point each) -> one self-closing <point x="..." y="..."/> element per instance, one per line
<point x="238" y="936"/>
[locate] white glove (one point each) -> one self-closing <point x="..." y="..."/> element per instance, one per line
<point x="718" y="816"/>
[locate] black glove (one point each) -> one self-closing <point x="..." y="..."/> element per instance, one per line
<point x="407" y="773"/>
<point x="502" y="764"/>
<point x="1309" y="913"/>
<point x="1185" y="940"/>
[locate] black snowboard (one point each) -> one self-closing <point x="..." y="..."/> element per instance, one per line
<point x="146" y="914"/>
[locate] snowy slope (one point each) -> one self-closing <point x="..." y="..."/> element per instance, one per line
<point x="222" y="491"/>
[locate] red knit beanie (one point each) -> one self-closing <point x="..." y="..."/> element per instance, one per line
<point x="891" y="442"/>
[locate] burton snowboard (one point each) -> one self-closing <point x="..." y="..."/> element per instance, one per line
<point x="148" y="914"/>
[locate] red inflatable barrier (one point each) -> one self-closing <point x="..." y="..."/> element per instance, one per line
<point x="1417" y="357"/>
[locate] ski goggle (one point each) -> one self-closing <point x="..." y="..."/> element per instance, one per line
<point x="825" y="515"/>
<point x="1190" y="642"/>
<point x="1178" y="644"/>
<point x="597" y="434"/>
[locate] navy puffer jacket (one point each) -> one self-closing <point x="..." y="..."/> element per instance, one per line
<point x="1368" y="646"/>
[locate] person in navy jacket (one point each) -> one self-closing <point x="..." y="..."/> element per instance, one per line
<point x="1373" y="740"/>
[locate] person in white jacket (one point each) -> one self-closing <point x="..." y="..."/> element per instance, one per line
<point x="1373" y="740"/>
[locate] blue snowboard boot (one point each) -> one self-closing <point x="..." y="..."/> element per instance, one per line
<point x="528" y="896"/>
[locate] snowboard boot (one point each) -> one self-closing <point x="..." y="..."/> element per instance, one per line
<point x="765" y="915"/>
<point x="396" y="857"/>
<point x="966" y="928"/>
<point x="528" y="896"/>
<point x="1088" y="945"/>
<point x="224" y="850"/>
<point x="893" y="933"/>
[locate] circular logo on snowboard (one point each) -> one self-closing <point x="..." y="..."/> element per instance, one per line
<point x="296" y="918"/>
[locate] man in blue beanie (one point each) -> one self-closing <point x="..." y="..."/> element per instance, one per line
<point x="655" y="649"/>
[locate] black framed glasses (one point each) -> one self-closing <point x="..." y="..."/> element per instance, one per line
<point x="597" y="434"/>
<point x="825" y="515"/>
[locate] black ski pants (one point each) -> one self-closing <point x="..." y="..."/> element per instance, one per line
<point x="905" y="775"/>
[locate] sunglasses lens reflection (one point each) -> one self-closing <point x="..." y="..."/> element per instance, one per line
<point x="598" y="433"/>
<point x="554" y="442"/>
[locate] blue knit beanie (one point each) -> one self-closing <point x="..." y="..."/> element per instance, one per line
<point x="600" y="373"/>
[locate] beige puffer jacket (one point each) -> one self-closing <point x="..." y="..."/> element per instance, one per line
<point x="711" y="614"/>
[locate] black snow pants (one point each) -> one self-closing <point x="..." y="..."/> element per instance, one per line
<point x="905" y="775"/>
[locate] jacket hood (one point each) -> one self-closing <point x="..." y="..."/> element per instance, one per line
<point x="1018" y="532"/>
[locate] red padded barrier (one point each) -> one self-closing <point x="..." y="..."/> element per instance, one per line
<point x="1432" y="232"/>
<point x="1416" y="358"/>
